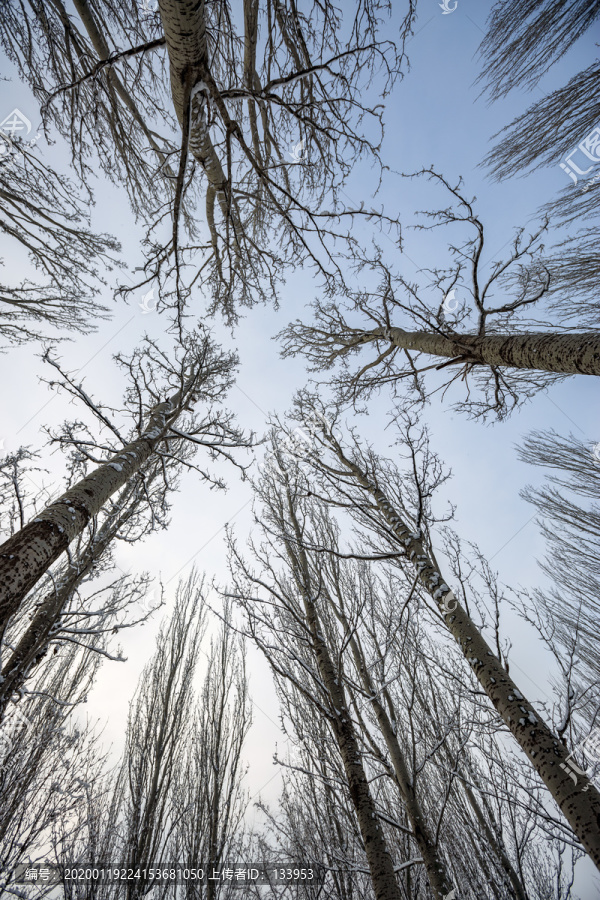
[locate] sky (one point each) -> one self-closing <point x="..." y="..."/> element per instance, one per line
<point x="435" y="115"/>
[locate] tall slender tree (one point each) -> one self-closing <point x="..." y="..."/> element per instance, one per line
<point x="296" y="638"/>
<point x="49" y="759"/>
<point x="199" y="373"/>
<point x="178" y="793"/>
<point x="376" y="492"/>
<point x="567" y="614"/>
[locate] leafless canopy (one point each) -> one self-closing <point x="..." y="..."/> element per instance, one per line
<point x="45" y="223"/>
<point x="277" y="110"/>
<point x="467" y="298"/>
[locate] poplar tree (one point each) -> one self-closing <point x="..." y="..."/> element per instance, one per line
<point x="289" y="628"/>
<point x="177" y="794"/>
<point x="259" y="117"/>
<point x="475" y="322"/>
<point x="199" y="373"/>
<point x="376" y="493"/>
<point x="567" y="613"/>
<point x="50" y="759"/>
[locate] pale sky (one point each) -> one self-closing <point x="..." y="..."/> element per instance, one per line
<point x="433" y="116"/>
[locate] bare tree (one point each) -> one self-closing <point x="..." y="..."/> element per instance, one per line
<point x="199" y="372"/>
<point x="567" y="614"/>
<point x="523" y="41"/>
<point x="45" y="219"/>
<point x="396" y="505"/>
<point x="290" y="627"/>
<point x="246" y="92"/>
<point x="433" y="748"/>
<point x="346" y="601"/>
<point x="49" y="760"/>
<point x="482" y="336"/>
<point x="210" y="790"/>
<point x="243" y="114"/>
<point x="108" y="118"/>
<point x="63" y="609"/>
<point x="157" y="732"/>
<point x="315" y="822"/>
<point x="178" y="794"/>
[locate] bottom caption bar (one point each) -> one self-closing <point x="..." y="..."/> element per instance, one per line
<point x="240" y="874"/>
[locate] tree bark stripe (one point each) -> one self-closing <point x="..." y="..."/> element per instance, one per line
<point x="568" y="354"/>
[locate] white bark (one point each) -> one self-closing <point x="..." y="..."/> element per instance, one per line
<point x="28" y="554"/>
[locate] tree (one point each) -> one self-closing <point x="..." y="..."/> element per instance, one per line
<point x="157" y="731"/>
<point x="288" y="627"/>
<point x="567" y="614"/>
<point x="523" y="41"/>
<point x="345" y="603"/>
<point x="210" y="791"/>
<point x="487" y="337"/>
<point x="178" y="792"/>
<point x="243" y="97"/>
<point x="396" y="506"/>
<point x="44" y="217"/>
<point x="62" y="609"/>
<point x="200" y="372"/>
<point x="48" y="762"/>
<point x="316" y="822"/>
<point x="452" y="798"/>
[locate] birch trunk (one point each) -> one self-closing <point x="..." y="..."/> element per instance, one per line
<point x="568" y="354"/>
<point x="29" y="553"/>
<point x="575" y="795"/>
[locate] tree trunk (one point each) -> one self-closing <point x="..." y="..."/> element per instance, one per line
<point x="380" y="862"/>
<point x="33" y="642"/>
<point x="379" y="859"/>
<point x="184" y="24"/>
<point x="575" y="795"/>
<point x="568" y="354"/>
<point x="434" y="866"/>
<point x="29" y="553"/>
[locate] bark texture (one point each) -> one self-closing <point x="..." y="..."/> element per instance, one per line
<point x="184" y="24"/>
<point x="575" y="795"/>
<point x="29" y="553"/>
<point x="569" y="354"/>
<point x="379" y="859"/>
<point x="33" y="644"/>
<point x="434" y="865"/>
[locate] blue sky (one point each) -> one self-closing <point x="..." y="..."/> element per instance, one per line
<point x="435" y="115"/>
